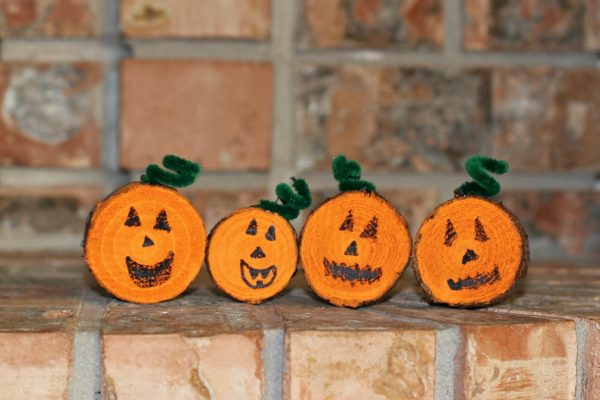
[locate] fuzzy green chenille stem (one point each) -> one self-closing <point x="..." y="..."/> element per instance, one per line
<point x="483" y="185"/>
<point x="184" y="172"/>
<point x="292" y="199"/>
<point x="348" y="173"/>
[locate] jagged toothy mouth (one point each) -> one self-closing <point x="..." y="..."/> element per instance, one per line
<point x="146" y="276"/>
<point x="351" y="273"/>
<point x="477" y="281"/>
<point x="255" y="278"/>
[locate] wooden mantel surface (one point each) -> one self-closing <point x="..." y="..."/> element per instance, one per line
<point x="63" y="337"/>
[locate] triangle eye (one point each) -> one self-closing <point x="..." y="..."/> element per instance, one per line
<point x="371" y="229"/>
<point x="161" y="222"/>
<point x="252" y="227"/>
<point x="270" y="235"/>
<point x="348" y="224"/>
<point x="480" y="233"/>
<point x="133" y="219"/>
<point x="450" y="234"/>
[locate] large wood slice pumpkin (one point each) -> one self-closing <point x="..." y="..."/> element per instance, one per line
<point x="470" y="252"/>
<point x="145" y="243"/>
<point x="252" y="254"/>
<point x="354" y="247"/>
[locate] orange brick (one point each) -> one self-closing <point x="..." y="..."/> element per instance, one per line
<point x="49" y="18"/>
<point x="215" y="112"/>
<point x="247" y="19"/>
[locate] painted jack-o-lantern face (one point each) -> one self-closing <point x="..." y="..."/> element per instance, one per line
<point x="354" y="247"/>
<point x="470" y="252"/>
<point x="252" y="254"/>
<point x="145" y="243"/>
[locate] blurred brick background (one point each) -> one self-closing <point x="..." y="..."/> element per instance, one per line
<point x="260" y="90"/>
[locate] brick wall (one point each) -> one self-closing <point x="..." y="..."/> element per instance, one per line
<point x="260" y="90"/>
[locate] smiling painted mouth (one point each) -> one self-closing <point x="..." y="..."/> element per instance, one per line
<point x="146" y="276"/>
<point x="351" y="273"/>
<point x="475" y="282"/>
<point x="258" y="276"/>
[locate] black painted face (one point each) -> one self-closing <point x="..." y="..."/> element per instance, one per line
<point x="470" y="256"/>
<point x="143" y="275"/>
<point x="354" y="272"/>
<point x="257" y="278"/>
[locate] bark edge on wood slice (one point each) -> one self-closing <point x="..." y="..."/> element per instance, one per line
<point x="470" y="252"/>
<point x="354" y="247"/>
<point x="252" y="254"/>
<point x="145" y="243"/>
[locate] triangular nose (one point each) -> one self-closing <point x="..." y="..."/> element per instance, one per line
<point x="257" y="253"/>
<point x="470" y="255"/>
<point x="352" y="250"/>
<point x="147" y="242"/>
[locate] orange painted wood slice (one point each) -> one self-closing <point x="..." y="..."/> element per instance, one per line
<point x="354" y="247"/>
<point x="145" y="243"/>
<point x="252" y="254"/>
<point x="470" y="252"/>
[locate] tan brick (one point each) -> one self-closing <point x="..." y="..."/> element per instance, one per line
<point x="37" y="316"/>
<point x="406" y="24"/>
<point x="247" y="19"/>
<point x="49" y="18"/>
<point x="197" y="346"/>
<point x="340" y="353"/>
<point x="50" y="114"/>
<point x="215" y="112"/>
<point x="34" y="365"/>
<point x="544" y="118"/>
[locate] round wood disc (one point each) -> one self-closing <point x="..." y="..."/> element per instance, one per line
<point x="354" y="247"/>
<point x="252" y="254"/>
<point x="145" y="243"/>
<point x="470" y="252"/>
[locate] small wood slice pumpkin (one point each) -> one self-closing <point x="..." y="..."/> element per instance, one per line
<point x="354" y="247"/>
<point x="145" y="243"/>
<point x="470" y="252"/>
<point x="252" y="254"/>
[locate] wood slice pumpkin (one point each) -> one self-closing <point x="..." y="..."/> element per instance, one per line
<point x="252" y="254"/>
<point x="470" y="252"/>
<point x="354" y="247"/>
<point x="145" y="243"/>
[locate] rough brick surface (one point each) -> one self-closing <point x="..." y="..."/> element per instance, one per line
<point x="49" y="18"/>
<point x="215" y="112"/>
<point x="50" y="114"/>
<point x="559" y="223"/>
<point x="399" y="24"/>
<point x="214" y="205"/>
<point x="193" y="19"/>
<point x="548" y="112"/>
<point x="197" y="346"/>
<point x="527" y="25"/>
<point x="38" y="309"/>
<point x="390" y="118"/>
<point x="27" y="213"/>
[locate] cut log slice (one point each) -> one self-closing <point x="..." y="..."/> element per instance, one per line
<point x="252" y="254"/>
<point x="145" y="243"/>
<point x="470" y="252"/>
<point x="354" y="247"/>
